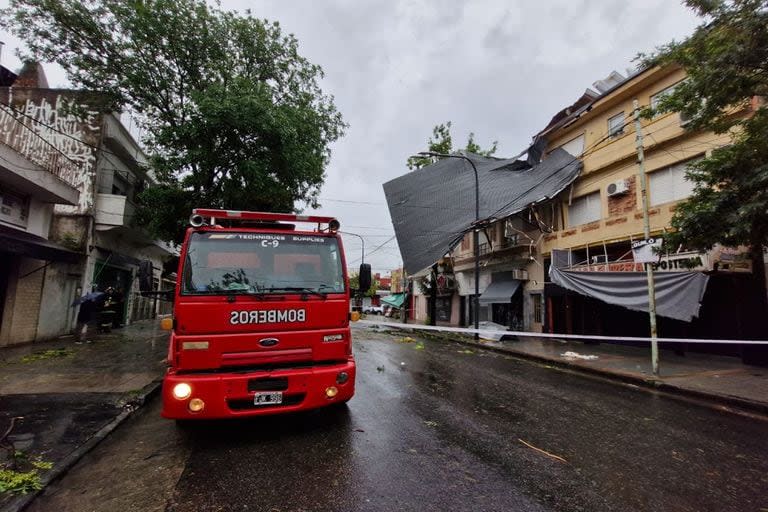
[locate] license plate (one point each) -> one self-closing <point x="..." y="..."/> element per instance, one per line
<point x="270" y="398"/>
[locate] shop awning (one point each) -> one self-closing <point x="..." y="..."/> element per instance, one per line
<point x="678" y="294"/>
<point x="33" y="246"/>
<point x="395" y="300"/>
<point x="500" y="291"/>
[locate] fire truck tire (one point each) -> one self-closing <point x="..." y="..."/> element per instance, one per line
<point x="185" y="425"/>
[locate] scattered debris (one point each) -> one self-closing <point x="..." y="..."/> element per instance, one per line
<point x="576" y="355"/>
<point x="542" y="451"/>
<point x="380" y="368"/>
<point x="419" y="346"/>
<point x="359" y="430"/>
<point x="406" y="339"/>
<point x="430" y="423"/>
<point x="466" y="351"/>
<point x="47" y="354"/>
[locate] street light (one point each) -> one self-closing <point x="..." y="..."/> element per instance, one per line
<point x="362" y="240"/>
<point x="476" y="233"/>
<point x="359" y="300"/>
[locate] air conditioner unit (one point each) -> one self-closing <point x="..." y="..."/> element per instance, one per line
<point x="617" y="188"/>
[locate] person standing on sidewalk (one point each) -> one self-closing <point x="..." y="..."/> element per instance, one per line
<point x="84" y="317"/>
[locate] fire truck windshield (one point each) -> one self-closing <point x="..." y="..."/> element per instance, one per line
<point x="263" y="263"/>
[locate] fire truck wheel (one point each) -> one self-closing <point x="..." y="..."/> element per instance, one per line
<point x="185" y="425"/>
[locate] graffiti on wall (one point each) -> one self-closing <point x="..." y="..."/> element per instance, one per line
<point x="61" y="139"/>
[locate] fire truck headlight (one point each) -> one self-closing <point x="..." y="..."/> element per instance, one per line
<point x="196" y="405"/>
<point x="181" y="391"/>
<point x="331" y="392"/>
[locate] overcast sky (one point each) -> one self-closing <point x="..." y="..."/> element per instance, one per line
<point x="398" y="67"/>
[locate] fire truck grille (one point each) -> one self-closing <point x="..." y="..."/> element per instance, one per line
<point x="276" y="384"/>
<point x="246" y="404"/>
<point x="292" y="365"/>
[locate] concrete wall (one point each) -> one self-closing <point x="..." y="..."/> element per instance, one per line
<point x="62" y="286"/>
<point x="39" y="220"/>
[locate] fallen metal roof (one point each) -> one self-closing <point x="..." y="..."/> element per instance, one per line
<point x="431" y="208"/>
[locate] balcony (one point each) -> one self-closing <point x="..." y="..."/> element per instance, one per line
<point x="30" y="178"/>
<point x="112" y="211"/>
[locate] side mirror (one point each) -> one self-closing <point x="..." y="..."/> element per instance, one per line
<point x="146" y="276"/>
<point x="365" y="277"/>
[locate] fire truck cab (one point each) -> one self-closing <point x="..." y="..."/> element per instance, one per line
<point x="261" y="317"/>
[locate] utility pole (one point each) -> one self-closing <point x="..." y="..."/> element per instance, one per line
<point x="647" y="233"/>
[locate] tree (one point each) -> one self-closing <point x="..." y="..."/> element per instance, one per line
<point x="442" y="142"/>
<point x="726" y="60"/>
<point x="234" y="116"/>
<point x="354" y="283"/>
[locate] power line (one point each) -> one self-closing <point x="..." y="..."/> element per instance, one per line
<point x="374" y="250"/>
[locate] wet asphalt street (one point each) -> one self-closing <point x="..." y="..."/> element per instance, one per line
<point x="439" y="426"/>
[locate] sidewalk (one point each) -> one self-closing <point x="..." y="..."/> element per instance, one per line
<point x="69" y="396"/>
<point x="720" y="379"/>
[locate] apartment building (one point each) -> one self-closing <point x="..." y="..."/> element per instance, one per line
<point x="73" y="141"/>
<point x="596" y="221"/>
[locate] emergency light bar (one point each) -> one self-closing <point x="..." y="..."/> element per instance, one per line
<point x="198" y="217"/>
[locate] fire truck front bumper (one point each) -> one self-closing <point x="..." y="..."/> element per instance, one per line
<point x="228" y="395"/>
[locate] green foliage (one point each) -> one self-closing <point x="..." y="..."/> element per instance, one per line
<point x="17" y="482"/>
<point x="442" y="142"/>
<point x="726" y="60"/>
<point x="48" y="354"/>
<point x="234" y="116"/>
<point x="354" y="283"/>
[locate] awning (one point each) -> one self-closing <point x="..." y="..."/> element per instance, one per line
<point x="500" y="291"/>
<point x="395" y="300"/>
<point x="33" y="246"/>
<point x="678" y="294"/>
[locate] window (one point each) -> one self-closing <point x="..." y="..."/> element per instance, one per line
<point x="575" y="146"/>
<point x="616" y="125"/>
<point x="669" y="184"/>
<point x="661" y="94"/>
<point x="14" y="208"/>
<point x="584" y="209"/>
<point x="536" y="299"/>
<point x="255" y="263"/>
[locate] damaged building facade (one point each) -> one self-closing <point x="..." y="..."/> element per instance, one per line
<point x="433" y="214"/>
<point x="597" y="285"/>
<point x="557" y="256"/>
<point x="77" y="236"/>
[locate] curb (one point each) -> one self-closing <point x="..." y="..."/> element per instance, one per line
<point x="649" y="383"/>
<point x="59" y="470"/>
<point x="642" y="382"/>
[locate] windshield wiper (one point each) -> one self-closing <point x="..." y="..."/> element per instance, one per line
<point x="303" y="290"/>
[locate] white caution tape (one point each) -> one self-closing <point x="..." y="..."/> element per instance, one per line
<point x="523" y="334"/>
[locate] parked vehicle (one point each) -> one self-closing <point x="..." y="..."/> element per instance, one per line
<point x="373" y="310"/>
<point x="261" y="317"/>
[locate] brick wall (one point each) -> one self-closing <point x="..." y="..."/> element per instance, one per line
<point x="22" y="307"/>
<point x="624" y="203"/>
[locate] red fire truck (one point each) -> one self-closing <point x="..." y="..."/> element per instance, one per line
<point x="261" y="317"/>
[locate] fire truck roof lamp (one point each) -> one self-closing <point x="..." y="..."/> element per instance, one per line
<point x="333" y="224"/>
<point x="196" y="220"/>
